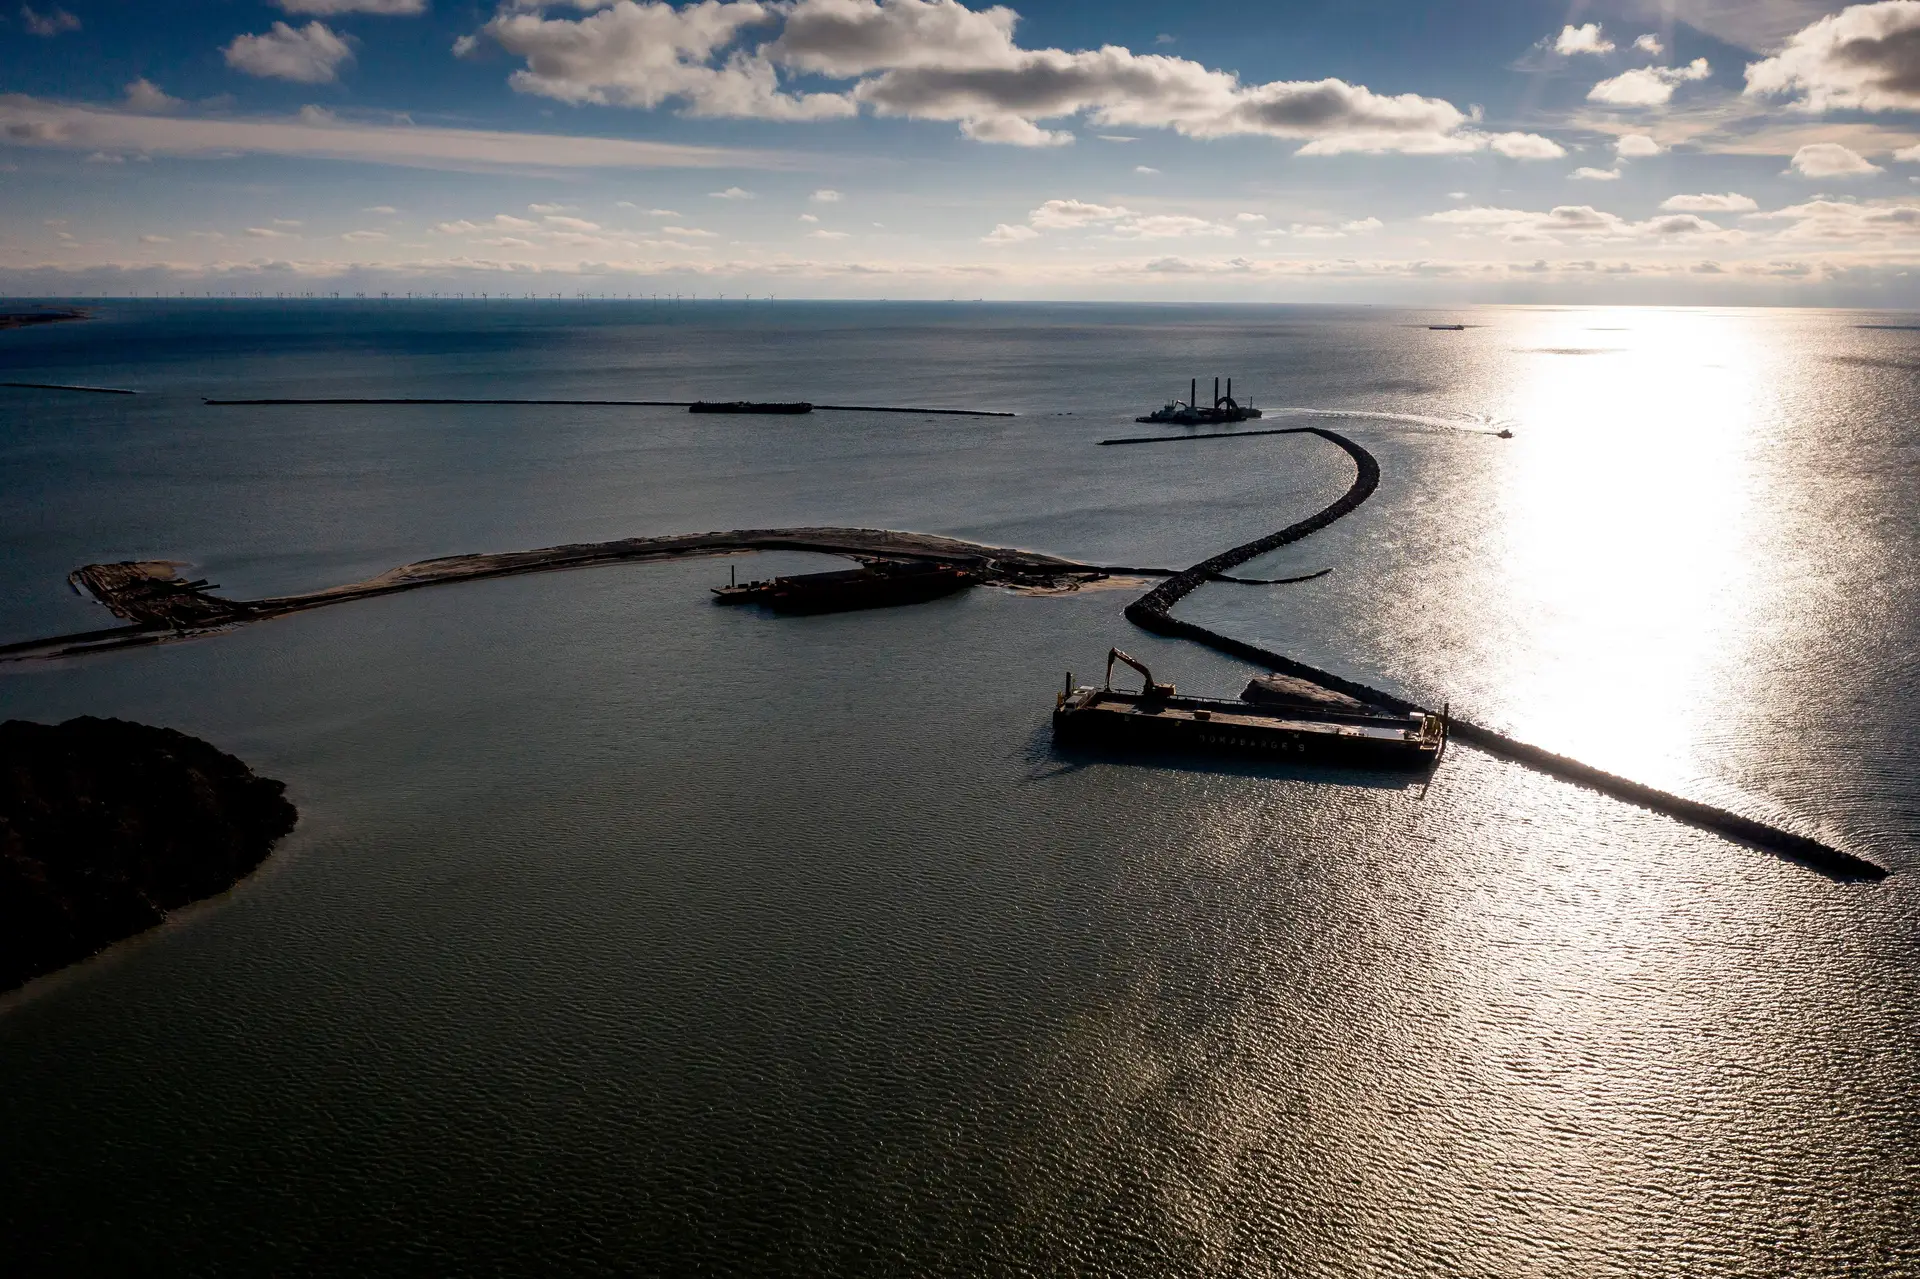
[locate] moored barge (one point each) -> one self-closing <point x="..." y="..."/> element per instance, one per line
<point x="878" y="584"/>
<point x="1302" y="729"/>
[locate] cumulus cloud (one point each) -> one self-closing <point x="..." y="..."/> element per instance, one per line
<point x="1866" y="57"/>
<point x="1571" y="221"/>
<point x="310" y="55"/>
<point x="51" y="23"/>
<point x="1594" y="175"/>
<point x="1838" y="220"/>
<point x="1731" y="202"/>
<point x="363" y="237"/>
<point x="641" y="54"/>
<point x="1647" y="86"/>
<point x="381" y="208"/>
<point x="330" y="8"/>
<point x="1586" y="39"/>
<point x="1063" y="214"/>
<point x="940" y="60"/>
<point x="1146" y="170"/>
<point x="689" y="232"/>
<point x="1167" y="226"/>
<point x="1831" y="160"/>
<point x="570" y="224"/>
<point x="1525" y="146"/>
<point x="1636" y="146"/>
<point x="1650" y="44"/>
<point x="145" y="95"/>
<point x="270" y="233"/>
<point x="825" y="195"/>
<point x="733" y="193"/>
<point x="1006" y="233"/>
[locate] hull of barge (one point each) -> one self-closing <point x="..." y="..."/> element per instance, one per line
<point x="1107" y="720"/>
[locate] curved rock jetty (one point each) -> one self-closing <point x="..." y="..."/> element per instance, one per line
<point x="106" y="826"/>
<point x="1151" y="612"/>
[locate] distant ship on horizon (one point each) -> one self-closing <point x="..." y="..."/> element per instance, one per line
<point x="1188" y="412"/>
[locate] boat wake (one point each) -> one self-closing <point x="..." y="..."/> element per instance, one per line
<point x="1478" y="425"/>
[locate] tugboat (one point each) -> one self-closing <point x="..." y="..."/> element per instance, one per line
<point x="876" y="584"/>
<point x="1188" y="412"/>
<point x="1277" y="719"/>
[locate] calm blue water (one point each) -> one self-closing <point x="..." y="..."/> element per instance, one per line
<point x="624" y="934"/>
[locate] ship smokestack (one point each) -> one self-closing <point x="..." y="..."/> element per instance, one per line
<point x="1216" y="393"/>
<point x="1193" y="392"/>
<point x="1229" y="388"/>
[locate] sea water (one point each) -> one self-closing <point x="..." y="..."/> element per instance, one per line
<point x="626" y="934"/>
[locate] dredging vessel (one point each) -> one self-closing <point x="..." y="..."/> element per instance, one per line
<point x="876" y="584"/>
<point x="1188" y="412"/>
<point x="1276" y="718"/>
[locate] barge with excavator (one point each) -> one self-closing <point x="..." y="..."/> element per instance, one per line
<point x="1276" y="718"/>
<point x="1188" y="412"/>
<point x="876" y="584"/>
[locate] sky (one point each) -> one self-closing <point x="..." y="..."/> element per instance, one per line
<point x="1707" y="152"/>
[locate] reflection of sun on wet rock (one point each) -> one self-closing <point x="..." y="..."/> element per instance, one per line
<point x="106" y="826"/>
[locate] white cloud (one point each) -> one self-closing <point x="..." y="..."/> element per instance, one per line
<point x="1362" y="226"/>
<point x="826" y="195"/>
<point x="1167" y="226"/>
<point x="51" y="23"/>
<point x="1249" y="217"/>
<point x="1146" y="170"/>
<point x="145" y="95"/>
<point x="733" y="193"/>
<point x="1595" y="175"/>
<point x="1064" y="214"/>
<point x="499" y="222"/>
<point x="1866" y="57"/>
<point x="1831" y="160"/>
<point x="829" y="235"/>
<point x="641" y="54"/>
<point x="808" y="217"/>
<point x="1650" y="44"/>
<point x="1636" y="146"/>
<point x="1573" y="221"/>
<point x="309" y="55"/>
<point x="1731" y="202"/>
<point x="689" y="232"/>
<point x="1009" y="234"/>
<point x="155" y="239"/>
<point x="1838" y="220"/>
<point x="1585" y="39"/>
<point x="939" y="60"/>
<point x="105" y="157"/>
<point x="1647" y="86"/>
<point x="387" y="209"/>
<point x="329" y="8"/>
<point x="1525" y="146"/>
<point x="552" y="208"/>
<point x="363" y="237"/>
<point x="270" y="233"/>
<point x="570" y="224"/>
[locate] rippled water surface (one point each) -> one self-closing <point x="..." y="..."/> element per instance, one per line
<point x="624" y="934"/>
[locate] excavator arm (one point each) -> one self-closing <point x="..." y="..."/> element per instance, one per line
<point x="1147" y="687"/>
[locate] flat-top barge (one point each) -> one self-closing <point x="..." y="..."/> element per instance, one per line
<point x="1274" y="723"/>
<point x="877" y="584"/>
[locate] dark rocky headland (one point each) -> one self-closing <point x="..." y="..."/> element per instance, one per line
<point x="105" y="826"/>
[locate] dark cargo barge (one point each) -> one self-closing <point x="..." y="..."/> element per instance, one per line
<point x="794" y="408"/>
<point x="1304" y="729"/>
<point x="879" y="584"/>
